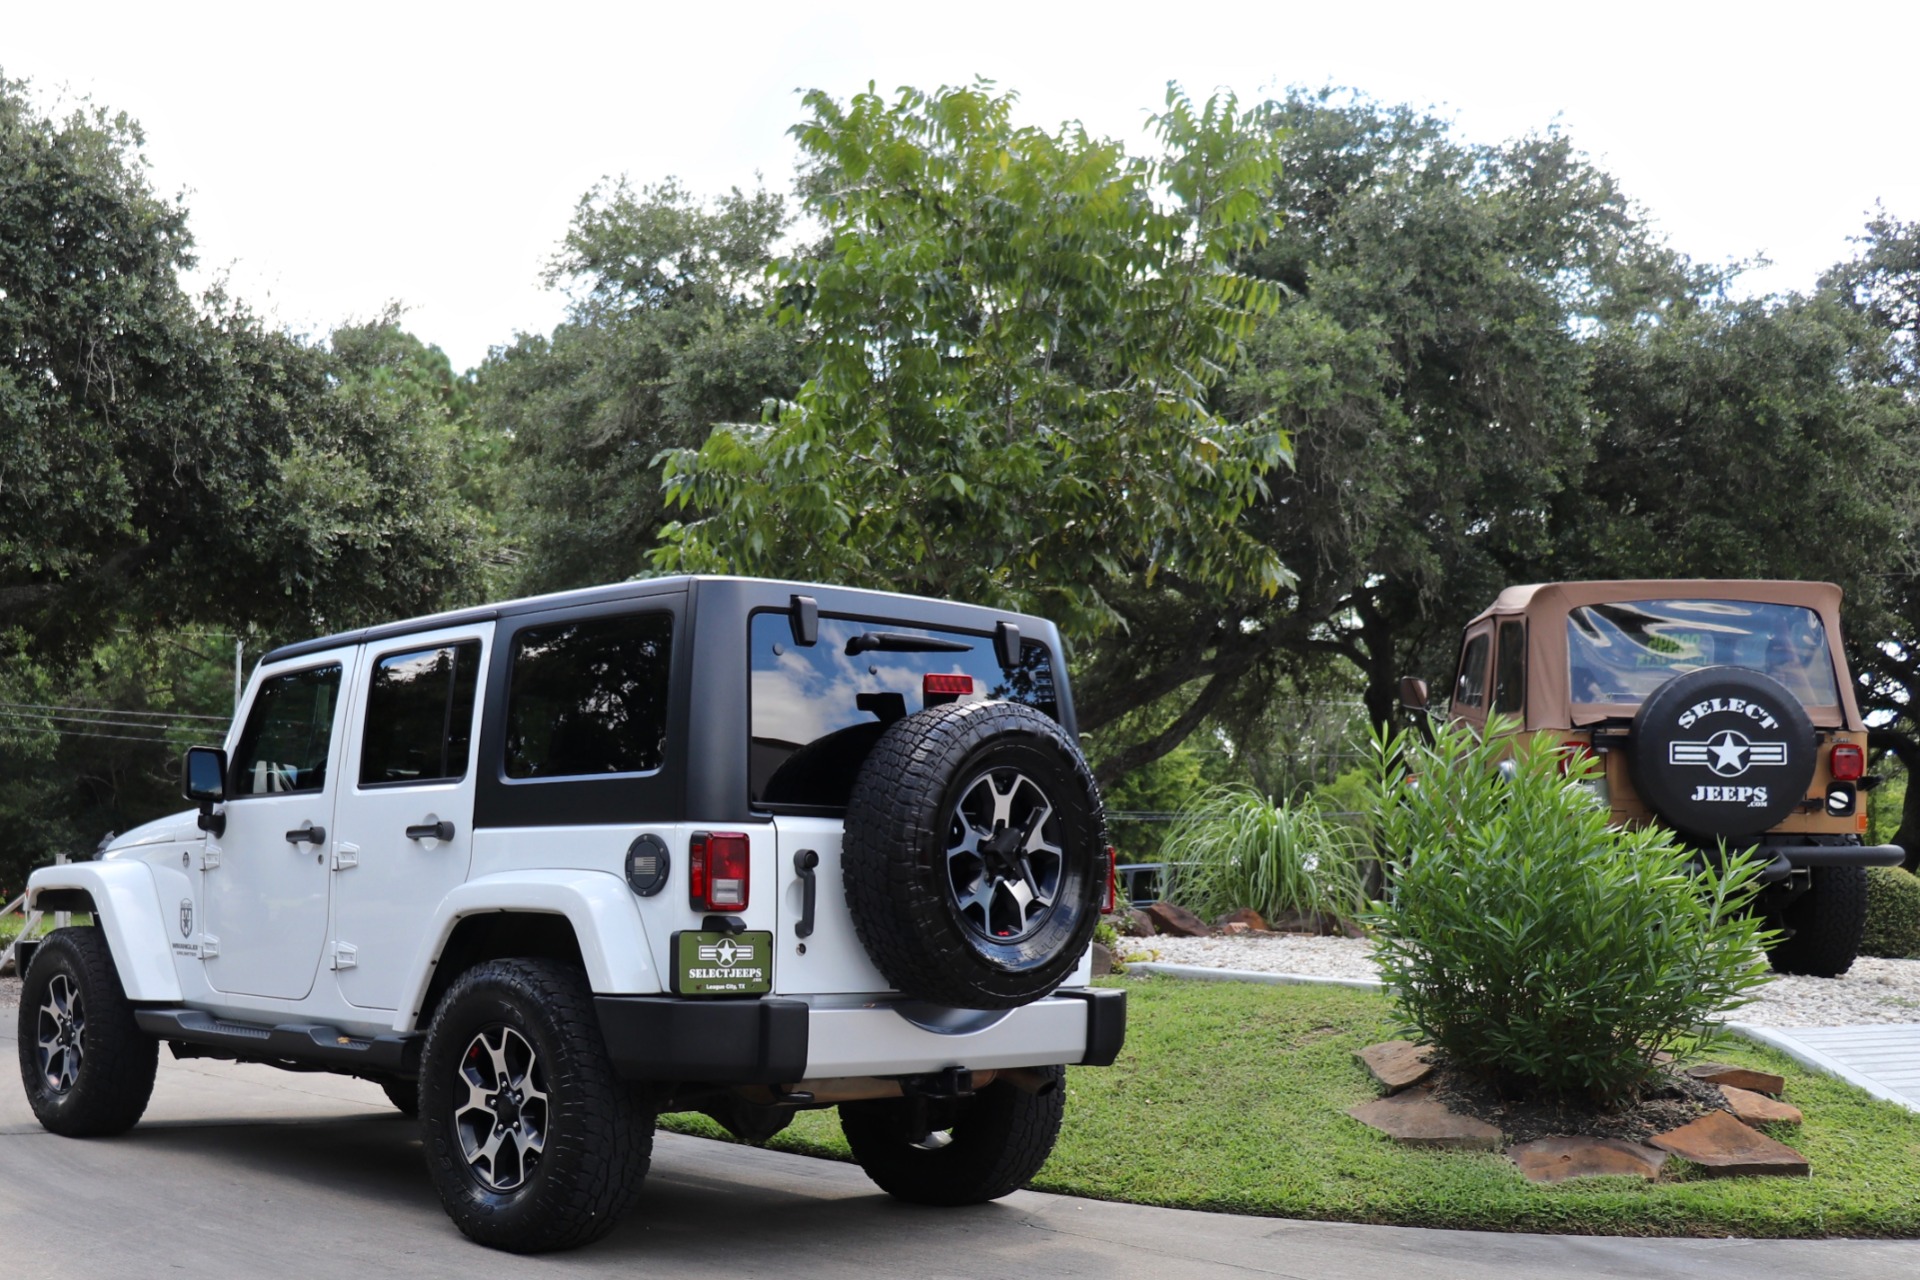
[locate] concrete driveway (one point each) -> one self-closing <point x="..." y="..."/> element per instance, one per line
<point x="243" y="1171"/>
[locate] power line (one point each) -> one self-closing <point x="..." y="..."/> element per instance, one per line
<point x="158" y="715"/>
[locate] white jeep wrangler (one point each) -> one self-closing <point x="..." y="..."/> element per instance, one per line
<point x="547" y="869"/>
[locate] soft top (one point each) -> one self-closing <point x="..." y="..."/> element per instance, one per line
<point x="1545" y="606"/>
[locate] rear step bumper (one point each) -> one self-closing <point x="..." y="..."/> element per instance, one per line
<point x="779" y="1040"/>
<point x="1788" y="858"/>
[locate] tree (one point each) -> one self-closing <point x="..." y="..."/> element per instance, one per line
<point x="1430" y="359"/>
<point x="164" y="460"/>
<point x="1013" y="335"/>
<point x="668" y="334"/>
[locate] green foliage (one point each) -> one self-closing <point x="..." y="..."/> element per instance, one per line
<point x="1235" y="848"/>
<point x="1885" y="803"/>
<point x="1349" y="797"/>
<point x="1016" y="333"/>
<point x="1232" y="1097"/>
<point x="1893" y="914"/>
<point x="168" y="460"/>
<point x="668" y="334"/>
<point x="1527" y="939"/>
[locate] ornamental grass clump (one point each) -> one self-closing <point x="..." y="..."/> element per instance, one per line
<point x="1233" y="847"/>
<point x="1532" y="943"/>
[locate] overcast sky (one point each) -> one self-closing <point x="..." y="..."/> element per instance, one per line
<point x="336" y="157"/>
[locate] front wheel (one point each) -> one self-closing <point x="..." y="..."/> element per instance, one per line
<point x="533" y="1142"/>
<point x="965" y="1151"/>
<point x="87" y="1067"/>
<point x="1828" y="922"/>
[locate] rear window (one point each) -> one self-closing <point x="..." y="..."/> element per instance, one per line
<point x="1621" y="652"/>
<point x="818" y="709"/>
<point x="1470" y="689"/>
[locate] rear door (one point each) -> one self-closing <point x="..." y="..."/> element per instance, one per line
<point x="406" y="830"/>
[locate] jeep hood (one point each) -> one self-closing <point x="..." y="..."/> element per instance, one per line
<point x="172" y="829"/>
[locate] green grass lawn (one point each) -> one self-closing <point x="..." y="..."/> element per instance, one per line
<point x="10" y="925"/>
<point x="1233" y="1097"/>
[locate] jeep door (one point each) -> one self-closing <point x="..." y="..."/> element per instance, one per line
<point x="406" y="804"/>
<point x="266" y="890"/>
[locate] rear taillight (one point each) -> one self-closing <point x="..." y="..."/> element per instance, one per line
<point x="719" y="871"/>
<point x="1572" y="755"/>
<point x="1847" y="762"/>
<point x="1113" y="881"/>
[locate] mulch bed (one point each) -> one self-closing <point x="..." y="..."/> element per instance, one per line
<point x="1675" y="1100"/>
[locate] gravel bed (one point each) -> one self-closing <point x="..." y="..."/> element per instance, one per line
<point x="1873" y="991"/>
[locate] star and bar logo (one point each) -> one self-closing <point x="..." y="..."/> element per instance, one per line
<point x="1729" y="753"/>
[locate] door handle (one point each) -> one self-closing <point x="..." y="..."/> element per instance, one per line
<point x="803" y="864"/>
<point x="308" y="834"/>
<point x="442" y="830"/>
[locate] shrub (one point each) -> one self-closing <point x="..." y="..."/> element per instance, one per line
<point x="1235" y="848"/>
<point x="1527" y="939"/>
<point x="1893" y="914"/>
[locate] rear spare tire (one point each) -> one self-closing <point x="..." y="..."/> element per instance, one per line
<point x="1722" y="752"/>
<point x="974" y="855"/>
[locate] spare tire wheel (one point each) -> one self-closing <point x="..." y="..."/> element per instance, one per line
<point x="1722" y="752"/>
<point x="973" y="858"/>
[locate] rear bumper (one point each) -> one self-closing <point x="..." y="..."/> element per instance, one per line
<point x="780" y="1040"/>
<point x="1799" y="857"/>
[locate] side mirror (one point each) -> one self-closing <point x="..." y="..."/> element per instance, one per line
<point x="1413" y="693"/>
<point x="204" y="775"/>
<point x="204" y="779"/>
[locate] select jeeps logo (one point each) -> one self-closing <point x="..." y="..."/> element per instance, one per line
<point x="725" y="955"/>
<point x="1729" y="753"/>
<point x="1738" y="706"/>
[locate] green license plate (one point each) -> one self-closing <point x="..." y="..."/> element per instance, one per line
<point x="723" y="964"/>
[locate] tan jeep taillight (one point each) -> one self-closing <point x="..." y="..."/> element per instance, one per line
<point x="720" y="871"/>
<point x="1113" y="881"/>
<point x="1847" y="762"/>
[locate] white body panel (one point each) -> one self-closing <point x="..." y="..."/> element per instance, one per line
<point x="388" y="887"/>
<point x="834" y="962"/>
<point x="125" y="904"/>
<point x="875" y="1039"/>
<point x="266" y="899"/>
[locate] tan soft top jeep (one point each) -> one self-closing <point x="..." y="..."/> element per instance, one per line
<point x="1722" y="709"/>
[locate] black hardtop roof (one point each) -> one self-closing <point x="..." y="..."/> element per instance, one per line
<point x="832" y="598"/>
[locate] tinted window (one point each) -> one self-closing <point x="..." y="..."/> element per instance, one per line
<point x="589" y="697"/>
<point x="1621" y="652"/>
<point x="818" y="709"/>
<point x="289" y="732"/>
<point x="419" y="724"/>
<point x="1470" y="690"/>
<point x="1510" y="669"/>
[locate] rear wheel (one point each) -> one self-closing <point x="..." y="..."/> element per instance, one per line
<point x="1828" y="922"/>
<point x="88" y="1069"/>
<point x="533" y="1142"/>
<point x="963" y="1151"/>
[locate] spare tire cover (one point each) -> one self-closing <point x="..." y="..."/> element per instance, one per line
<point x="974" y="855"/>
<point x="1722" y="752"/>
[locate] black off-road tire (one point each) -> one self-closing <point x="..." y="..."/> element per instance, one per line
<point x="104" y="1087"/>
<point x="1828" y="922"/>
<point x="598" y="1138"/>
<point x="898" y="873"/>
<point x="404" y="1095"/>
<point x="995" y="1142"/>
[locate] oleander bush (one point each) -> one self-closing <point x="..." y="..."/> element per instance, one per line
<point x="1893" y="914"/>
<point x="1235" y="848"/>
<point x="1531" y="942"/>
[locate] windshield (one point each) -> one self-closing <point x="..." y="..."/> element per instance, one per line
<point x="1621" y="652"/>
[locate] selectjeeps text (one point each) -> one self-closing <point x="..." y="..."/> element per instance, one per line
<point x="547" y="869"/>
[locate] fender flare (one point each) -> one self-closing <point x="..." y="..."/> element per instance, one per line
<point x="606" y="922"/>
<point x="126" y="907"/>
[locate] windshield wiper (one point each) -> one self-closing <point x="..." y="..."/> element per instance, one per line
<point x="895" y="642"/>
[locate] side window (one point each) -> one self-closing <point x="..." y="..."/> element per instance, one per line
<point x="1510" y="670"/>
<point x="1470" y="689"/>
<point x="419" y="722"/>
<point x="589" y="697"/>
<point x="289" y="732"/>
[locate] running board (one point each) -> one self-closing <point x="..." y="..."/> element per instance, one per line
<point x="310" y="1044"/>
